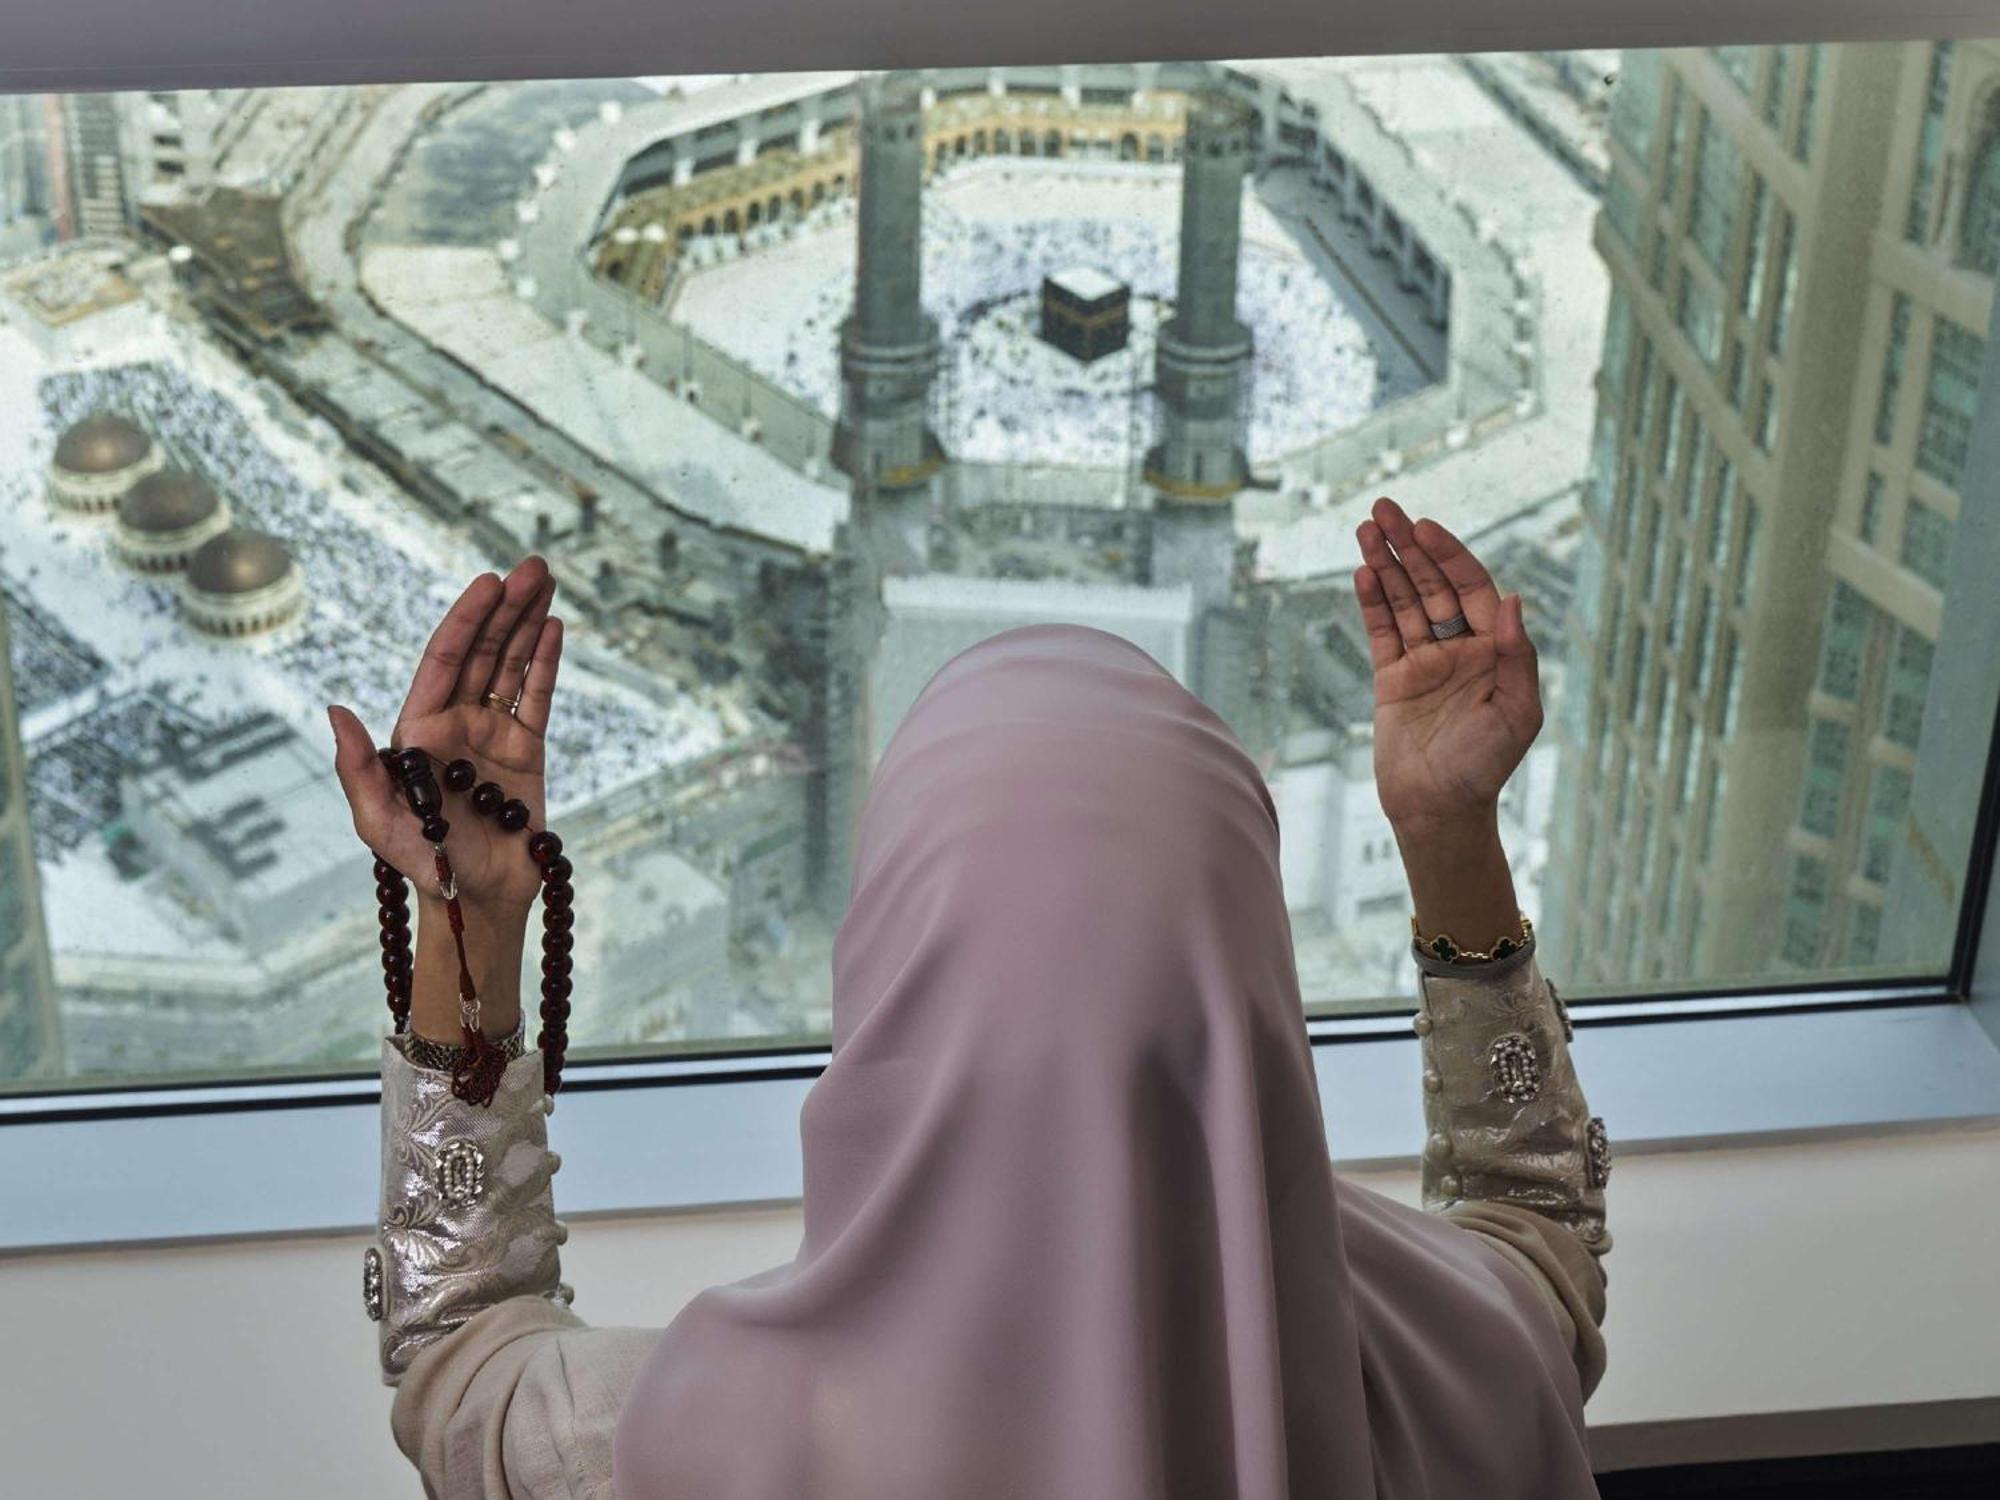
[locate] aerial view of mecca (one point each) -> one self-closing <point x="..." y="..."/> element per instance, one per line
<point x="802" y="383"/>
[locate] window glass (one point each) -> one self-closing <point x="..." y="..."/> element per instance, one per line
<point x="1635" y="104"/>
<point x="1892" y="368"/>
<point x="1930" y="143"/>
<point x="1888" y="800"/>
<point x="1700" y="319"/>
<point x="1802" y="140"/>
<point x="1776" y="86"/>
<point x="1826" y="769"/>
<point x="1718" y="175"/>
<point x="1871" y="508"/>
<point x="310" y="359"/>
<point x="1849" y="615"/>
<point x="1621" y="207"/>
<point x="1926" y="542"/>
<point x="1950" y="398"/>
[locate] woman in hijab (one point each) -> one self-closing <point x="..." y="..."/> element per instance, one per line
<point x="1071" y="1226"/>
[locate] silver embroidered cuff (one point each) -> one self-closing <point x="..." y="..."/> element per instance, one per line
<point x="1505" y="1118"/>
<point x="467" y="1210"/>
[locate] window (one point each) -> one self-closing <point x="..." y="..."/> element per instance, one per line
<point x="1888" y="800"/>
<point x="1757" y="252"/>
<point x="1732" y="681"/>
<point x="723" y="710"/>
<point x="1718" y="173"/>
<point x="1670" y="441"/>
<point x="1826" y="770"/>
<point x="1774" y="89"/>
<point x="1635" y="105"/>
<point x="1621" y="208"/>
<point x="1805" y="911"/>
<point x="1746" y="570"/>
<point x="1723" y="519"/>
<point x="1617" y="343"/>
<point x="1767" y="415"/>
<point x="1677" y="116"/>
<point x="1926" y="542"/>
<point x="1700" y="319"/>
<point x="1892" y="369"/>
<point x="1802" y="142"/>
<point x="1930" y="143"/>
<point x="1788" y="277"/>
<point x="1949" y="401"/>
<point x="1909" y="684"/>
<point x="1848" y="617"/>
<point x="1871" y="507"/>
<point x="1979" y="233"/>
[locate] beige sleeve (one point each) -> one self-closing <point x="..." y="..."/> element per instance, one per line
<point x="1512" y="1152"/>
<point x="518" y="1403"/>
<point x="1569" y="1278"/>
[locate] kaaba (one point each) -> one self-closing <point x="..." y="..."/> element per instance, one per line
<point x="1085" y="313"/>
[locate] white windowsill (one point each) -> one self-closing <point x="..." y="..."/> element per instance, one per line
<point x="648" y="1145"/>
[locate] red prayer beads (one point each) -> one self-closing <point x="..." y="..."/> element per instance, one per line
<point x="477" y="1077"/>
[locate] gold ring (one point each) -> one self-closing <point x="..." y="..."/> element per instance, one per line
<point x="510" y="704"/>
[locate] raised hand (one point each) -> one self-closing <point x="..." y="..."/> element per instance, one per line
<point x="499" y="637"/>
<point x="1453" y="718"/>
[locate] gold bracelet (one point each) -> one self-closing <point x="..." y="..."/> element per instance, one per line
<point x="1446" y="948"/>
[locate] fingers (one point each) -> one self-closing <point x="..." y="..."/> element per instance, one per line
<point x="445" y="654"/>
<point x="1469" y="579"/>
<point x="1516" y="669"/>
<point x="1434" y="589"/>
<point x="362" y="775"/>
<point x="1413" y="626"/>
<point x="520" y="643"/>
<point x="519" y="589"/>
<point x="1385" y="641"/>
<point x="541" y="683"/>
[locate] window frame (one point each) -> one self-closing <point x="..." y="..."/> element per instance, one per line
<point x="224" y="1160"/>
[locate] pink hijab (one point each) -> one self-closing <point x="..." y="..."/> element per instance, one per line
<point x="1071" y="1229"/>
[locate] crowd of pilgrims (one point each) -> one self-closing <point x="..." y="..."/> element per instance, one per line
<point x="1314" y="367"/>
<point x="371" y="606"/>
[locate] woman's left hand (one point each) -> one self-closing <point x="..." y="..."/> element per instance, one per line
<point x="1453" y="718"/>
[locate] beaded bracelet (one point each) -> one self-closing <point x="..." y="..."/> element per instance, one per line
<point x="477" y="1072"/>
<point x="1447" y="949"/>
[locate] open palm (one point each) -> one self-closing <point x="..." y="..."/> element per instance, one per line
<point x="1452" y="717"/>
<point x="498" y="637"/>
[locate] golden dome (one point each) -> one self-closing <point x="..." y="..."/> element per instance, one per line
<point x="102" y="443"/>
<point x="238" y="561"/>
<point x="166" y="501"/>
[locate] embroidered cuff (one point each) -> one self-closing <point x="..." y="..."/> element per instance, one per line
<point x="467" y="1209"/>
<point x="1505" y="1118"/>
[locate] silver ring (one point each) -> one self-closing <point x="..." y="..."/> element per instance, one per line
<point x="1444" y="630"/>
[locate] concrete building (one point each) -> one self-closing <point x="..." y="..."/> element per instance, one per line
<point x="99" y="171"/>
<point x="30" y="1028"/>
<point x="1791" y="359"/>
<point x="249" y="822"/>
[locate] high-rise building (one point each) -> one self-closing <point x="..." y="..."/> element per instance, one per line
<point x="30" y="1031"/>
<point x="1801" y="244"/>
<point x="100" y="169"/>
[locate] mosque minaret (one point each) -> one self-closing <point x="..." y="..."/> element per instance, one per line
<point x="889" y="344"/>
<point x="1197" y="462"/>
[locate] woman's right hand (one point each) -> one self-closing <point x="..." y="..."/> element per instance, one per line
<point x="1453" y="718"/>
<point x="497" y="637"/>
